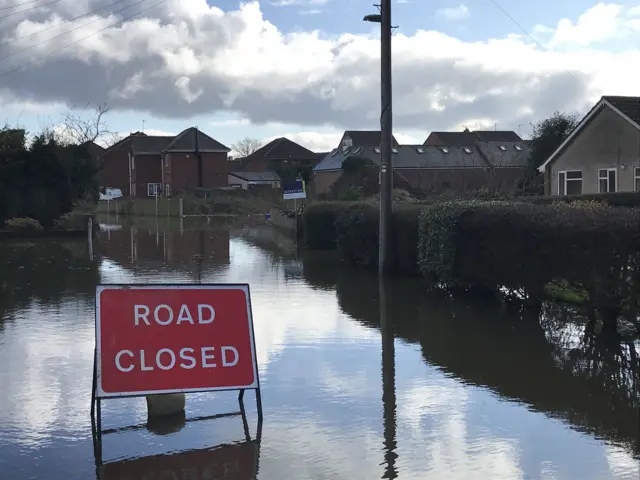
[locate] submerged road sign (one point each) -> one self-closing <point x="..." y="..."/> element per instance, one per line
<point x="154" y="339"/>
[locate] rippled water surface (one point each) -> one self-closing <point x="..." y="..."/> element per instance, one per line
<point x="359" y="381"/>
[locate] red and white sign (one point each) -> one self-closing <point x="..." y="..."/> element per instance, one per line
<point x="174" y="338"/>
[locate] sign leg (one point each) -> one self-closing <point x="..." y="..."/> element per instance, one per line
<point x="259" y="404"/>
<point x="241" y="398"/>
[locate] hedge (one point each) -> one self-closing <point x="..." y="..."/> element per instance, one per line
<point x="618" y="199"/>
<point x="357" y="231"/>
<point x="318" y="224"/>
<point x="523" y="246"/>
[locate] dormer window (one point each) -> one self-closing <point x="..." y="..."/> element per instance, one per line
<point x="503" y="148"/>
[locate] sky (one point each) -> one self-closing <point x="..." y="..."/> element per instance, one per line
<point x="310" y="69"/>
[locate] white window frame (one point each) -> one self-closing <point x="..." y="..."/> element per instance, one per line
<point x="607" y="170"/>
<point x="566" y="180"/>
<point x="636" y="178"/>
<point x="158" y="189"/>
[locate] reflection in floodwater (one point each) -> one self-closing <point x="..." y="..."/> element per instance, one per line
<point x="360" y="380"/>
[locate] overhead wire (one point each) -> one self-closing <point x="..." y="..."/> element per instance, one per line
<point x="35" y="7"/>
<point x="20" y="67"/>
<point x="59" y="24"/>
<point x="524" y="30"/>
<point x="66" y="33"/>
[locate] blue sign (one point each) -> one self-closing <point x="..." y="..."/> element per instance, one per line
<point x="294" y="190"/>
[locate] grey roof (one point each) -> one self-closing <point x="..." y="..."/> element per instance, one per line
<point x="256" y="176"/>
<point x="282" y="148"/>
<point x="364" y="138"/>
<point x="498" y="136"/>
<point x="333" y="160"/>
<point x="630" y="106"/>
<point x="467" y="138"/>
<point x="187" y="140"/>
<point x="503" y="154"/>
<point x="149" y="144"/>
<point x="411" y="156"/>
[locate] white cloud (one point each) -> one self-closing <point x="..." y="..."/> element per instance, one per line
<point x="314" y="11"/>
<point x="188" y="59"/>
<point x="454" y="13"/>
<point x="297" y="3"/>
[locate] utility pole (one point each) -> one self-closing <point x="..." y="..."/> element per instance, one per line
<point x="385" y="251"/>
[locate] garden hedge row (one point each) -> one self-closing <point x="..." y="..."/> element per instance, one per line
<point x="523" y="246"/>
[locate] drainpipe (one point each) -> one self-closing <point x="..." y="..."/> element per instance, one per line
<point x="199" y="155"/>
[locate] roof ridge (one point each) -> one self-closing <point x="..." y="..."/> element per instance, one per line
<point x="176" y="138"/>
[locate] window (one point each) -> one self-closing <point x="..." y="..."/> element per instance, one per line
<point x="334" y="153"/>
<point x="394" y="150"/>
<point x="518" y="148"/>
<point x="376" y="149"/>
<point x="420" y="150"/>
<point x="467" y="150"/>
<point x="154" y="189"/>
<point x="167" y="190"/>
<point x="636" y="177"/>
<point x="445" y="150"/>
<point x="607" y="180"/>
<point x="345" y="150"/>
<point x="570" y="182"/>
<point x="347" y="142"/>
<point x="503" y="148"/>
<point x="357" y="150"/>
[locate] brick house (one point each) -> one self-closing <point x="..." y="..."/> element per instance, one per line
<point x="145" y="165"/>
<point x="278" y="151"/>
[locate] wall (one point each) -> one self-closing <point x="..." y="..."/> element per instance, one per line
<point x="322" y="181"/>
<point x="462" y="180"/>
<point x="183" y="171"/>
<point x="607" y="141"/>
<point x="148" y="169"/>
<point x="115" y="169"/>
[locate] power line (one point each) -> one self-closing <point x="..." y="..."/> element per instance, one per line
<point x="18" y="5"/>
<point x="59" y="24"/>
<point x="8" y="72"/>
<point x="26" y="9"/>
<point x="66" y="33"/>
<point x="515" y="22"/>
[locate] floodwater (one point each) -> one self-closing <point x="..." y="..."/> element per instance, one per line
<point x="359" y="381"/>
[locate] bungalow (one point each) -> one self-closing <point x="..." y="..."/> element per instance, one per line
<point x="246" y="180"/>
<point x="601" y="155"/>
<point x="146" y="165"/>
<point x="434" y="169"/>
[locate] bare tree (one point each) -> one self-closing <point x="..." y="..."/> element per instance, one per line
<point x="78" y="129"/>
<point x="246" y="147"/>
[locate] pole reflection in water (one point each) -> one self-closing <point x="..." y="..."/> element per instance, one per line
<point x="388" y="383"/>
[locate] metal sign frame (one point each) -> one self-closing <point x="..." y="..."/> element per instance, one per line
<point x="97" y="395"/>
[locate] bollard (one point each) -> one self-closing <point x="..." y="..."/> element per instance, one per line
<point x="165" y="404"/>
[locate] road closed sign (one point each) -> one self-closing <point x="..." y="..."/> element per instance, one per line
<point x="174" y="338"/>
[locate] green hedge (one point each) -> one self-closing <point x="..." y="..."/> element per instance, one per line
<point x="318" y="225"/>
<point x="357" y="231"/>
<point x="523" y="246"/>
<point x="619" y="199"/>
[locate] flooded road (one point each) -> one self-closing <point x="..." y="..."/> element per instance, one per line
<point x="359" y="381"/>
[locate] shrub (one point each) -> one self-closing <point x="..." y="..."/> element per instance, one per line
<point x="357" y="230"/>
<point x="74" y="220"/>
<point x="523" y="247"/>
<point x="318" y="221"/>
<point x="23" y="225"/>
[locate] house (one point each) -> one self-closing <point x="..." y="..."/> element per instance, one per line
<point x="601" y="155"/>
<point x="468" y="138"/>
<point x="363" y="138"/>
<point x="247" y="180"/>
<point x="435" y="169"/>
<point x="274" y="154"/>
<point x="146" y="165"/>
